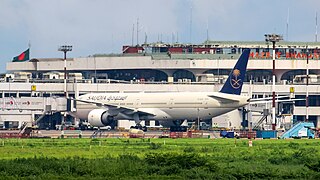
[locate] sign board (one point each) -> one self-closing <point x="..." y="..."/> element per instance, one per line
<point x="291" y="89"/>
<point x="33" y="88"/>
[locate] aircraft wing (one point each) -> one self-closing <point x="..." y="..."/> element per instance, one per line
<point x="277" y="100"/>
<point x="123" y="109"/>
<point x="223" y="100"/>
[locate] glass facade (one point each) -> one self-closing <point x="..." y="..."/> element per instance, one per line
<point x="314" y="100"/>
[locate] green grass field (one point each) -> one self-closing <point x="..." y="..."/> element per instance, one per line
<point x="159" y="159"/>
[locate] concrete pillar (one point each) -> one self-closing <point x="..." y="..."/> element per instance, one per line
<point x="169" y="72"/>
<point x="279" y="73"/>
<point x="196" y="73"/>
<point x="318" y="122"/>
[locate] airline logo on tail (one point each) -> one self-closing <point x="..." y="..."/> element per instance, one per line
<point x="234" y="82"/>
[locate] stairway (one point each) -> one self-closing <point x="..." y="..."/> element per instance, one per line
<point x="300" y="130"/>
<point x="23" y="127"/>
<point x="25" y="131"/>
<point x="257" y="126"/>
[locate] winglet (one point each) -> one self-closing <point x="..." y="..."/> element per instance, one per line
<point x="234" y="83"/>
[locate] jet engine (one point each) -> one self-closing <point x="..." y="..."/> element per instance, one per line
<point x="99" y="118"/>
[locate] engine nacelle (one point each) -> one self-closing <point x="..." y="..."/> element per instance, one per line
<point x="99" y="118"/>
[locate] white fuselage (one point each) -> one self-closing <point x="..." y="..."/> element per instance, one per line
<point x="164" y="106"/>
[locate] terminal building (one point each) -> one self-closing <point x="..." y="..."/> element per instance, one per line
<point x="160" y="67"/>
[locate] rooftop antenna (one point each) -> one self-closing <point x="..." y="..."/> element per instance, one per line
<point x="137" y="31"/>
<point x="145" y="38"/>
<point x="316" y="35"/>
<point x="112" y="46"/>
<point x="287" y="25"/>
<point x="132" y="34"/>
<point x="172" y="35"/>
<point x="190" y="25"/>
<point x="207" y="30"/>
<point x="177" y="37"/>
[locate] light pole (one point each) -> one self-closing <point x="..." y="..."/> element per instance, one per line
<point x="65" y="49"/>
<point x="273" y="38"/>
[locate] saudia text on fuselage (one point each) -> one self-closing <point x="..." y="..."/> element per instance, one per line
<point x="106" y="97"/>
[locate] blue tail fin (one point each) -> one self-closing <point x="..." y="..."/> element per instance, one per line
<point x="234" y="83"/>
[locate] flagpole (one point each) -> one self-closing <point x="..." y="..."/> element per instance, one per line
<point x="29" y="46"/>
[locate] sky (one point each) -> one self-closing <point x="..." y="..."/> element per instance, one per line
<point x="104" y="26"/>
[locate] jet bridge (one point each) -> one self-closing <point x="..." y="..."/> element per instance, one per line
<point x="260" y="117"/>
<point x="14" y="112"/>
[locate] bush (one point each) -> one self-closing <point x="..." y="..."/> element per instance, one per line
<point x="155" y="145"/>
<point x="189" y="149"/>
<point x="278" y="156"/>
<point x="204" y="149"/>
<point x="293" y="145"/>
<point x="314" y="166"/>
<point x="185" y="160"/>
<point x="305" y="155"/>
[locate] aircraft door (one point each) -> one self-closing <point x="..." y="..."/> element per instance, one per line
<point x="206" y="103"/>
<point x="171" y="103"/>
<point x="137" y="103"/>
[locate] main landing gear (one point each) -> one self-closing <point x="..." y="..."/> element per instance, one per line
<point x="139" y="126"/>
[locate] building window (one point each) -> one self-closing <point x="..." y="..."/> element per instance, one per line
<point x="157" y="123"/>
<point x="147" y="123"/>
<point x="314" y="100"/>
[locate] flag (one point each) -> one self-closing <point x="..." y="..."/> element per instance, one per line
<point x="22" y="57"/>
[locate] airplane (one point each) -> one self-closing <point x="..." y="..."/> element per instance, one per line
<point x="170" y="109"/>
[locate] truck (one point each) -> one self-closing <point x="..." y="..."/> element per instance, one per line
<point x="87" y="126"/>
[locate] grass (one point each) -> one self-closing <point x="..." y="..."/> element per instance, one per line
<point x="159" y="159"/>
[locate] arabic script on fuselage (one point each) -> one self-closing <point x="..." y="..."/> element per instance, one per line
<point x="108" y="98"/>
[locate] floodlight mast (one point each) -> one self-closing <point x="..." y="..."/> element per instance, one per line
<point x="307" y="84"/>
<point x="65" y="49"/>
<point x="273" y="38"/>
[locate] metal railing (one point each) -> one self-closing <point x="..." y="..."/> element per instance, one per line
<point x="115" y="81"/>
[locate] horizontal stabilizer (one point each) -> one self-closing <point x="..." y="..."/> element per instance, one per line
<point x="223" y="100"/>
